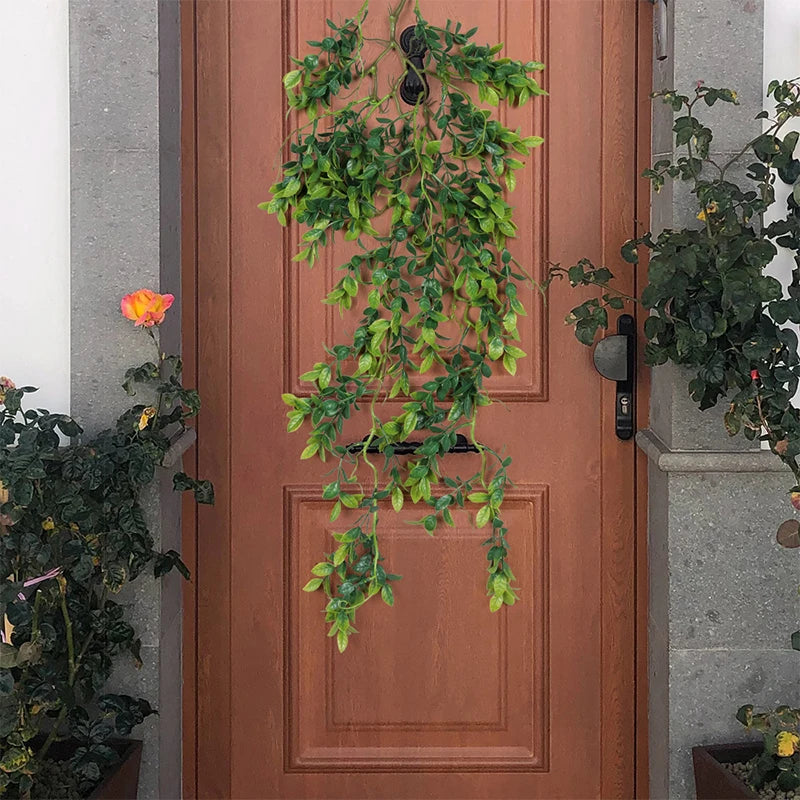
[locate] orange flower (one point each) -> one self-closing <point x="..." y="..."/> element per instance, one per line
<point x="145" y="307"/>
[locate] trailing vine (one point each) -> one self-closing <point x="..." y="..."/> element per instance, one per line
<point x="713" y="309"/>
<point x="420" y="190"/>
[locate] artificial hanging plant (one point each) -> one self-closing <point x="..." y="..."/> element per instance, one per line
<point x="420" y="188"/>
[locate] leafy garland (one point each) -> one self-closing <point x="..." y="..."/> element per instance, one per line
<point x="712" y="307"/>
<point x="435" y="171"/>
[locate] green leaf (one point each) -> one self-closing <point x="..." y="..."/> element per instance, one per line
<point x="313" y="585"/>
<point x="310" y="450"/>
<point x="291" y="79"/>
<point x="409" y="423"/>
<point x="397" y="498"/>
<point x="510" y="363"/>
<point x="350" y="500"/>
<point x="496" y="348"/>
<point x="387" y="595"/>
<point x="628" y="252"/>
<point x="478" y="497"/>
<point x="482" y="517"/>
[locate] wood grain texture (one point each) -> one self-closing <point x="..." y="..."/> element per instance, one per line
<point x="618" y="625"/>
<point x="644" y="86"/>
<point x="214" y="309"/>
<point x="505" y="697"/>
<point x="189" y="353"/>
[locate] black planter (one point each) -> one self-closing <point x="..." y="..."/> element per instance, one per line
<point x="713" y="780"/>
<point x="122" y="782"/>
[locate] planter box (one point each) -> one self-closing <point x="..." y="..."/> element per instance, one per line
<point x="122" y="783"/>
<point x="713" y="780"/>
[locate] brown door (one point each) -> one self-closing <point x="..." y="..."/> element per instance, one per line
<point x="436" y="697"/>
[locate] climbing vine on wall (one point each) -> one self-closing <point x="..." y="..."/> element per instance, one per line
<point x="420" y="189"/>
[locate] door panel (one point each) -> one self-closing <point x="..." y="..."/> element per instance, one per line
<point x="401" y="703"/>
<point x="435" y="697"/>
<point x="526" y="38"/>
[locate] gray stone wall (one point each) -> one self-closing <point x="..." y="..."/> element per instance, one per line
<point x="723" y="594"/>
<point x="125" y="236"/>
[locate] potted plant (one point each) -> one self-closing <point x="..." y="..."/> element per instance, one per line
<point x="73" y="533"/>
<point x="714" y="312"/>
<point x="752" y="769"/>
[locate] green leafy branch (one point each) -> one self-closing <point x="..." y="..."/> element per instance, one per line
<point x="420" y="190"/>
<point x="712" y="308"/>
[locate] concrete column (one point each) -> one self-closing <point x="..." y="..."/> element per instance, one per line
<point x="723" y="593"/>
<point x="125" y="236"/>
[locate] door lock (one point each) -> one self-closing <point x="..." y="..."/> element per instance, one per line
<point x="615" y="359"/>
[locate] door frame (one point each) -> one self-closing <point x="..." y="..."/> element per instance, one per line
<point x="206" y="605"/>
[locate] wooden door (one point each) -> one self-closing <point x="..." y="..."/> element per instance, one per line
<point x="436" y="697"/>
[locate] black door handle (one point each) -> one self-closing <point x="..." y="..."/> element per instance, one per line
<point x="615" y="359"/>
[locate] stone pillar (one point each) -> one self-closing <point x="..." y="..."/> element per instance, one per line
<point x="723" y="594"/>
<point x="125" y="182"/>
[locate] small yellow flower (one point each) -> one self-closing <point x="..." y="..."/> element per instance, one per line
<point x="147" y="415"/>
<point x="3" y="494"/>
<point x="73" y="527"/>
<point x="711" y="208"/>
<point x="734" y="97"/>
<point x="787" y="743"/>
<point x="48" y="524"/>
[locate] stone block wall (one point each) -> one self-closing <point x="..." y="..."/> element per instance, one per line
<point x="125" y="223"/>
<point x="723" y="594"/>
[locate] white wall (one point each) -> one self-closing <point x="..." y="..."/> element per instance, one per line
<point x="34" y="198"/>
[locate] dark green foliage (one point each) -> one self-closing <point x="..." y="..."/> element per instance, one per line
<point x="713" y="310"/>
<point x="436" y="286"/>
<point x="71" y="516"/>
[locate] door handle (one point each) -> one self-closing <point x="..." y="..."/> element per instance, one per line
<point x="615" y="359"/>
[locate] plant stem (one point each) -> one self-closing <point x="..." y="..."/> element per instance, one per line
<point x="70" y="638"/>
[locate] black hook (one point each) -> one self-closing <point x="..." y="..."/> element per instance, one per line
<point x="414" y="84"/>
